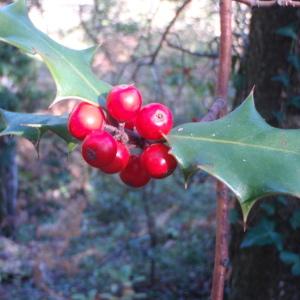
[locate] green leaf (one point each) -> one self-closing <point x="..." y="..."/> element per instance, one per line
<point x="293" y="259"/>
<point x="268" y="208"/>
<point x="252" y="158"/>
<point x="33" y="126"/>
<point x="284" y="79"/>
<point x="295" y="219"/>
<point x="294" y="60"/>
<point x="294" y="101"/>
<point x="70" y="68"/>
<point x="263" y="234"/>
<point x="234" y="216"/>
<point x="288" y="31"/>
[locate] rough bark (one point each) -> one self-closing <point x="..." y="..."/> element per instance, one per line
<point x="258" y="273"/>
<point x="266" y="57"/>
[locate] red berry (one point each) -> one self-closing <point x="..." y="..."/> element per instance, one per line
<point x="123" y="102"/>
<point x="157" y="161"/>
<point x="153" y="121"/>
<point x="84" y="119"/>
<point x="99" y="148"/>
<point x="120" y="161"/>
<point x="134" y="174"/>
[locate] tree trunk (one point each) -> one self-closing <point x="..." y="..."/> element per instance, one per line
<point x="8" y="183"/>
<point x="257" y="272"/>
<point x="8" y="169"/>
<point x="266" y="64"/>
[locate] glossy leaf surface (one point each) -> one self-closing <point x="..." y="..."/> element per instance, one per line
<point x="252" y="158"/>
<point x="33" y="126"/>
<point x="70" y="68"/>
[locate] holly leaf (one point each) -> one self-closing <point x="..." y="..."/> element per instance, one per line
<point x="70" y="68"/>
<point x="293" y="259"/>
<point x="263" y="234"/>
<point x="34" y="126"/>
<point x="251" y="157"/>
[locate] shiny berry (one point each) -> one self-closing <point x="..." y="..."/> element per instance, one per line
<point x="124" y="102"/>
<point x="153" y="121"/>
<point x="84" y="119"/>
<point x="157" y="161"/>
<point x="99" y="148"/>
<point x="120" y="161"/>
<point x="134" y="174"/>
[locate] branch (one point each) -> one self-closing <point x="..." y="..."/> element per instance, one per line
<point x="128" y="136"/>
<point x="151" y="226"/>
<point x="198" y="54"/>
<point x="151" y="58"/>
<point x="217" y="107"/>
<point x="167" y="30"/>
<point x="92" y="35"/>
<point x="268" y="3"/>
<point x="259" y="3"/>
<point x="222" y="230"/>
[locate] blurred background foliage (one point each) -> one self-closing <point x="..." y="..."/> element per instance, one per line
<point x="76" y="234"/>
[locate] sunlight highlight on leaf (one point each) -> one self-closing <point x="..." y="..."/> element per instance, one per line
<point x="70" y="68"/>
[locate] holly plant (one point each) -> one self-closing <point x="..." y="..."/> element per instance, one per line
<point x="118" y="134"/>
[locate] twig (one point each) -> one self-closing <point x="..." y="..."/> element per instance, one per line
<point x="194" y="53"/>
<point x="151" y="226"/>
<point x="128" y="136"/>
<point x="168" y="28"/>
<point x="123" y="135"/>
<point x="262" y="3"/>
<point x="150" y="59"/>
<point x="222" y="230"/>
<point x="214" y="110"/>
<point x="91" y="33"/>
<point x="268" y="3"/>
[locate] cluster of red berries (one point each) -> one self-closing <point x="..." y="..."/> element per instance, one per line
<point x="109" y="136"/>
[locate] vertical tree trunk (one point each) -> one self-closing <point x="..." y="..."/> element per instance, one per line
<point x="8" y="183"/>
<point x="8" y="169"/>
<point x="257" y="272"/>
<point x="266" y="58"/>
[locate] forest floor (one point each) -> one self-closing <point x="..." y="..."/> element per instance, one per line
<point x="83" y="236"/>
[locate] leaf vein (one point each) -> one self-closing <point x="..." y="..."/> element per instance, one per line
<point x="220" y="141"/>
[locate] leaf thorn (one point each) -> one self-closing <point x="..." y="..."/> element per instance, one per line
<point x="245" y="226"/>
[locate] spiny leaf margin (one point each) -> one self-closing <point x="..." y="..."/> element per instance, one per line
<point x="69" y="68"/>
<point x="251" y="157"/>
<point x="34" y="126"/>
